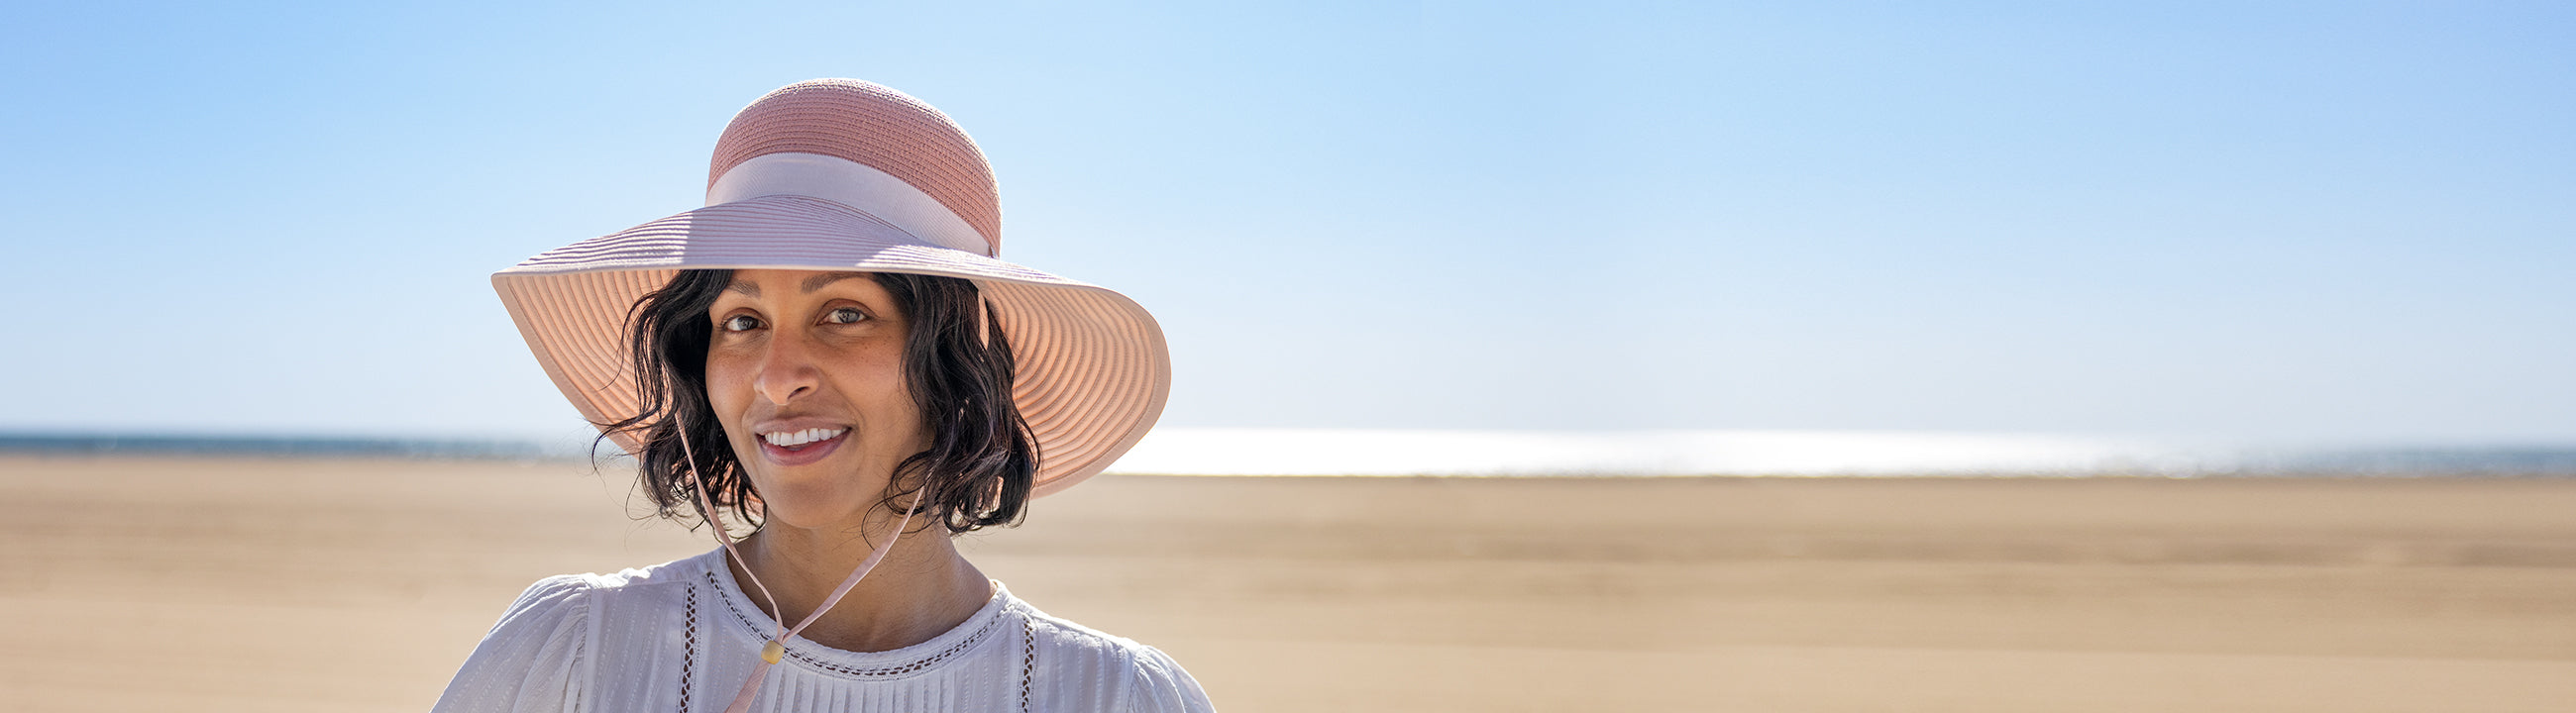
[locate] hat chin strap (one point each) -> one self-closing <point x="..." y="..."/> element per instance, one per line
<point x="777" y="646"/>
<point x="850" y="183"/>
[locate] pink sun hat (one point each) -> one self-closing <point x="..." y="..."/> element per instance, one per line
<point x="841" y="174"/>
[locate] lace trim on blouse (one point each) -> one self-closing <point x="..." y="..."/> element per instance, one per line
<point x="757" y="627"/>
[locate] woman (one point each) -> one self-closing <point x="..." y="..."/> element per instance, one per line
<point x="830" y="356"/>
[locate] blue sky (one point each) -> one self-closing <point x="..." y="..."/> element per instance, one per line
<point x="2345" y="221"/>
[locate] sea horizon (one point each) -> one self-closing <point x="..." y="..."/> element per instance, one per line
<point x="1533" y="453"/>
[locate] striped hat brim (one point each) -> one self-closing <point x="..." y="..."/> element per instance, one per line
<point x="1092" y="367"/>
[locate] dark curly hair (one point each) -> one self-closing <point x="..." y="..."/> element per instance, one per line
<point x="982" y="456"/>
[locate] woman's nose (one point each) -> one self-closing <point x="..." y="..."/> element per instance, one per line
<point x="786" y="370"/>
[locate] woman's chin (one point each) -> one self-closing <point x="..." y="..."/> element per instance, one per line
<point x="818" y="496"/>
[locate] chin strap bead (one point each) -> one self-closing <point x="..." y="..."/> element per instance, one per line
<point x="774" y="650"/>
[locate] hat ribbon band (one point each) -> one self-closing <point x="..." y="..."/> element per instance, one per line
<point x="852" y="184"/>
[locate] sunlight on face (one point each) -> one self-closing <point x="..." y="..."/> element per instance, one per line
<point x="805" y="372"/>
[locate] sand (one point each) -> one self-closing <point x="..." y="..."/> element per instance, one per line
<point x="218" y="584"/>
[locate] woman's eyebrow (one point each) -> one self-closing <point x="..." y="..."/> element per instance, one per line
<point x="818" y="282"/>
<point x="745" y="287"/>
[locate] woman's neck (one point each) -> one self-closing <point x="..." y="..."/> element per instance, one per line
<point x="922" y="588"/>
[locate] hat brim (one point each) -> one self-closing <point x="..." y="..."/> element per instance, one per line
<point x="1092" y="372"/>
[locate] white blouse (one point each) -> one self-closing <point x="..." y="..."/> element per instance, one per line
<point x="681" y="636"/>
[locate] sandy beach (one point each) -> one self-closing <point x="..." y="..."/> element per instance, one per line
<point x="220" y="584"/>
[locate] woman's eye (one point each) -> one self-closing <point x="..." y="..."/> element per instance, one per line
<point x="845" y="315"/>
<point x="741" y="323"/>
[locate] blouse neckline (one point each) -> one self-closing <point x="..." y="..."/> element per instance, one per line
<point x="893" y="663"/>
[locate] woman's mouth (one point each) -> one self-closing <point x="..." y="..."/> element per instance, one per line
<point x="800" y="447"/>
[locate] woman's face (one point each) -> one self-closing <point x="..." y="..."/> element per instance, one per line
<point x="805" y="371"/>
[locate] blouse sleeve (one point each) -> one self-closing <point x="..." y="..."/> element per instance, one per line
<point x="533" y="659"/>
<point x="1160" y="686"/>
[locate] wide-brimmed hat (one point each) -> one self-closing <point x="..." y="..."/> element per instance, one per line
<point x="841" y="174"/>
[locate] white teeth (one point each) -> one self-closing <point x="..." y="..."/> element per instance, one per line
<point x="791" y="439"/>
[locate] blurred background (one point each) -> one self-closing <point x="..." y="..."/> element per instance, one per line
<point x="2323" y="250"/>
<point x="2273" y="221"/>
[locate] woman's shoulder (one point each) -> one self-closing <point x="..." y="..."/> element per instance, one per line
<point x="575" y="594"/>
<point x="1069" y="662"/>
<point x="678" y="571"/>
<point x="537" y="649"/>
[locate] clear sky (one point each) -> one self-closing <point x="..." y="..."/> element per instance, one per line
<point x="2333" y="220"/>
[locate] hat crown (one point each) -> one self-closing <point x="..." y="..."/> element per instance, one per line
<point x="874" y="126"/>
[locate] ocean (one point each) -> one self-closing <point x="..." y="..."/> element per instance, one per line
<point x="1357" y="452"/>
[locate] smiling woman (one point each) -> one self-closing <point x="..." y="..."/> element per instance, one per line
<point x="829" y="357"/>
<point x="796" y="366"/>
<point x="807" y="371"/>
